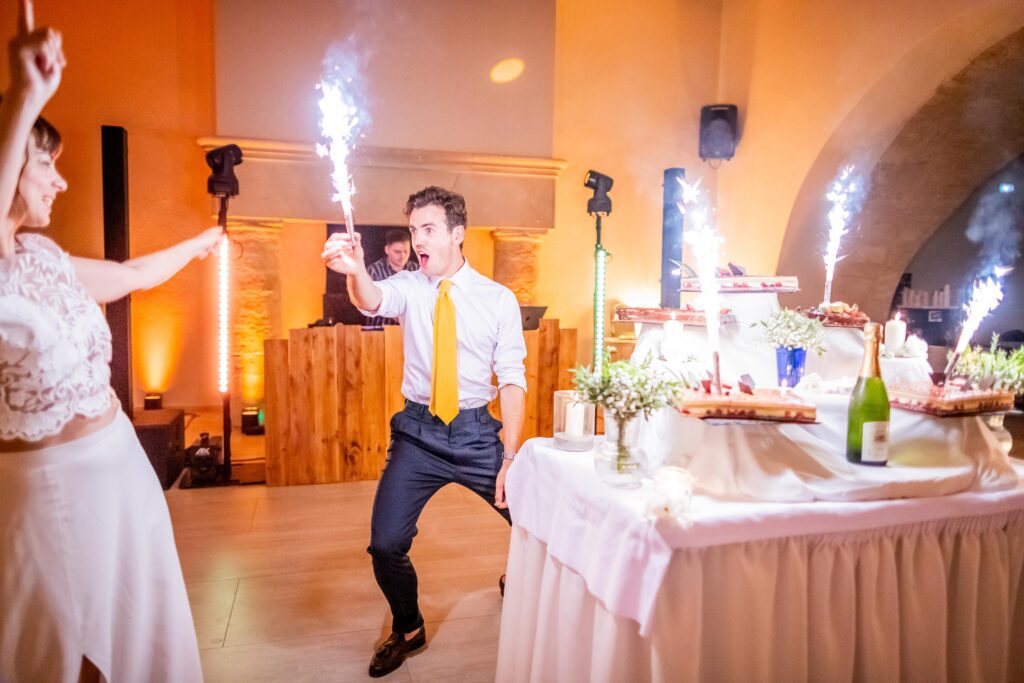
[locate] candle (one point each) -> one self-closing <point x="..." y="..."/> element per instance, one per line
<point x="575" y="413"/>
<point x="895" y="334"/>
<point x="671" y="338"/>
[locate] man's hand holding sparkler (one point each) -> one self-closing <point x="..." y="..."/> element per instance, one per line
<point x="343" y="253"/>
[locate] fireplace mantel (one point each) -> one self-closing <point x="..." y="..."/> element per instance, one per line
<point x="287" y="181"/>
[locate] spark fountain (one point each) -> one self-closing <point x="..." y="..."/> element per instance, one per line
<point x="340" y="124"/>
<point x="705" y="242"/>
<point x="840" y="194"/>
<point x="984" y="299"/>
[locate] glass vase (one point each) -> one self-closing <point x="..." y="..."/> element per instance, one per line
<point x="620" y="461"/>
<point x="790" y="364"/>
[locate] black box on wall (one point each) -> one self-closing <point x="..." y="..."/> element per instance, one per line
<point x="162" y="435"/>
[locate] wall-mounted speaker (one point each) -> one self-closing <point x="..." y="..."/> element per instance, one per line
<point x="718" y="131"/>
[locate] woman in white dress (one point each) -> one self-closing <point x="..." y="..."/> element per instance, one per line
<point x="90" y="583"/>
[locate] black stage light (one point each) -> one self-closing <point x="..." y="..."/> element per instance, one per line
<point x="153" y="402"/>
<point x="600" y="184"/>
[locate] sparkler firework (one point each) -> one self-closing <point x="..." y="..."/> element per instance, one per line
<point x="984" y="299"/>
<point x="342" y="118"/>
<point x="841" y="195"/>
<point x="705" y="242"/>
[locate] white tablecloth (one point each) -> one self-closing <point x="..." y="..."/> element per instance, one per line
<point x="929" y="456"/>
<point x="914" y="589"/>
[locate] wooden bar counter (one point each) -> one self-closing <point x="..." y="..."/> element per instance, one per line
<point x="331" y="392"/>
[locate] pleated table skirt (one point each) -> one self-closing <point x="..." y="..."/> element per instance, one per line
<point x="88" y="565"/>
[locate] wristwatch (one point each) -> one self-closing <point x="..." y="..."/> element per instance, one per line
<point x="507" y="455"/>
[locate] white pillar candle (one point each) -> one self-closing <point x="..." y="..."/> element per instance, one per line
<point x="575" y="413"/>
<point x="895" y="334"/>
<point x="671" y="338"/>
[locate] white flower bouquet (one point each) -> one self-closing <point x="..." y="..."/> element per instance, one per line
<point x="790" y="329"/>
<point x="626" y="390"/>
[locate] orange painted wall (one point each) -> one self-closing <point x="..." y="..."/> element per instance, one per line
<point x="629" y="84"/>
<point x="147" y="66"/>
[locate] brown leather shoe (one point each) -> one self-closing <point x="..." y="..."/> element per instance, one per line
<point x="393" y="651"/>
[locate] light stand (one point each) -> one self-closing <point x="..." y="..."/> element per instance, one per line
<point x="597" y="206"/>
<point x="223" y="184"/>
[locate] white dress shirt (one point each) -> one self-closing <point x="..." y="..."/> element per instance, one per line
<point x="488" y="333"/>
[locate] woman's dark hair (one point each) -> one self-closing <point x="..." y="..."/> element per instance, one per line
<point x="46" y="136"/>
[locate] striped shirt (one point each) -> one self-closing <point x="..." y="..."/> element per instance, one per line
<point x="381" y="270"/>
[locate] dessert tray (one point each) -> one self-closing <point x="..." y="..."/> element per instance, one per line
<point x="688" y="315"/>
<point x="949" y="400"/>
<point x="838" y="314"/>
<point x="774" y="405"/>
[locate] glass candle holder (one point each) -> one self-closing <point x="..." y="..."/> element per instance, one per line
<point x="574" y="422"/>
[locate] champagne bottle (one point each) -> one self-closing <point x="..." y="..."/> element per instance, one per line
<point x="867" y="436"/>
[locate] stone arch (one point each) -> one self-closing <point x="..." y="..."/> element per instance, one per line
<point x="942" y="120"/>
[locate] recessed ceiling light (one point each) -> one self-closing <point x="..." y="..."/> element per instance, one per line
<point x="507" y="70"/>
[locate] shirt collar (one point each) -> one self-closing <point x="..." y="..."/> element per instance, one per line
<point x="461" y="277"/>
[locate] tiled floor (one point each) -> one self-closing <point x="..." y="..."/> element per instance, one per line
<point x="282" y="588"/>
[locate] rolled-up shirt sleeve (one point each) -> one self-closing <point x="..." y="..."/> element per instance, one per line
<point x="394" y="295"/>
<point x="510" y="351"/>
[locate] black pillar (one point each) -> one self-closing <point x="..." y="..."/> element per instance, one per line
<point x="671" y="237"/>
<point x="115" y="247"/>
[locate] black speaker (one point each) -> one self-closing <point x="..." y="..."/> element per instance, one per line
<point x="718" y="131"/>
<point x="114" y="141"/>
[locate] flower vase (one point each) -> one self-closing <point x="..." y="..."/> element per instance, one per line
<point x="620" y="461"/>
<point x="790" y="363"/>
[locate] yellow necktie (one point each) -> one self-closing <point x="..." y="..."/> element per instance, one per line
<point x="444" y="387"/>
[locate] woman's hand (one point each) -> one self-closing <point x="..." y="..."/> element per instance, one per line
<point x="343" y="253"/>
<point x="207" y="241"/>
<point x="36" y="57"/>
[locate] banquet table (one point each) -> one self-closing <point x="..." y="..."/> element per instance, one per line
<point x="928" y="588"/>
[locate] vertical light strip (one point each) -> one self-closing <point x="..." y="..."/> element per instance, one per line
<point x="222" y="317"/>
<point x="599" y="299"/>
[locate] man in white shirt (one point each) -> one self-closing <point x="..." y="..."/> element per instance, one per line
<point x="459" y="329"/>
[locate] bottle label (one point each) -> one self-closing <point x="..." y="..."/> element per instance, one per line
<point x="875" y="442"/>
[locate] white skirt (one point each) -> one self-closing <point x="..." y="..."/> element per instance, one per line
<point x="88" y="565"/>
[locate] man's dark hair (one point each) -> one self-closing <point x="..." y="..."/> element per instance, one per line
<point x="454" y="204"/>
<point x="396" y="235"/>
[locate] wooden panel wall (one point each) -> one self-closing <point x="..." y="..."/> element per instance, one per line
<point x="331" y="392"/>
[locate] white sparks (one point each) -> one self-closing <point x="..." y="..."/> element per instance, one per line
<point x="705" y="242"/>
<point x="691" y="193"/>
<point x="984" y="299"/>
<point x="840" y="194"/>
<point x="339" y="125"/>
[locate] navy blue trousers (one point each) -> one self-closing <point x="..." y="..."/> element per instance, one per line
<point x="425" y="454"/>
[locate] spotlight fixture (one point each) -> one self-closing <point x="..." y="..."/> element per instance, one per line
<point x="600" y="184"/>
<point x="153" y="401"/>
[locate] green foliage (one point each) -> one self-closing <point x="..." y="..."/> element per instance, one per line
<point x="627" y="389"/>
<point x="1006" y="367"/>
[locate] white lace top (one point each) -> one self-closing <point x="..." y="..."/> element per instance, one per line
<point x="54" y="343"/>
